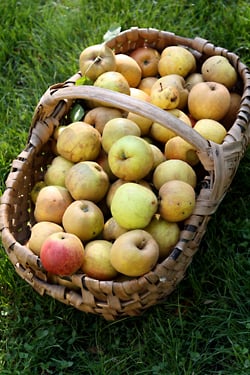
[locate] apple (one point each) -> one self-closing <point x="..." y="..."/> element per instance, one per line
<point x="176" y="60"/>
<point x="62" y="254"/>
<point x="177" y="200"/>
<point x="133" y="205"/>
<point x="130" y="158"/>
<point x="96" y="263"/>
<point x="39" y="233"/>
<point x="218" y="69"/>
<point x="112" y="230"/>
<point x="192" y="79"/>
<point x="177" y="81"/>
<point x="165" y="98"/>
<point x="174" y="169"/>
<point x="51" y="203"/>
<point x="99" y="116"/>
<point x="144" y="123"/>
<point x="134" y="253"/>
<point x="36" y="189"/>
<point x="84" y="219"/>
<point x="87" y="180"/>
<point x="161" y="134"/>
<point x="95" y="60"/>
<point x="113" y="80"/>
<point x="55" y="173"/>
<point x="129" y="68"/>
<point x="102" y="160"/>
<point x="78" y="142"/>
<point x="165" y="233"/>
<point x="146" y="84"/>
<point x="159" y="156"/>
<point x="117" y="128"/>
<point x="178" y="148"/>
<point x="230" y="117"/>
<point x="147" y="58"/>
<point x="211" y="130"/>
<point x="208" y="100"/>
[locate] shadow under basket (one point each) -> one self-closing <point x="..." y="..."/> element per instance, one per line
<point x="125" y="296"/>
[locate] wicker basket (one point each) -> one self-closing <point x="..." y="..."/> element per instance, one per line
<point x="129" y="297"/>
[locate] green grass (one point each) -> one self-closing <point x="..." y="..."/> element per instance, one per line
<point x="203" y="328"/>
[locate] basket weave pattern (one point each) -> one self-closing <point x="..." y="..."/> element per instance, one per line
<point x="117" y="298"/>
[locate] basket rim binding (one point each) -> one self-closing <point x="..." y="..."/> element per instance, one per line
<point x="53" y="104"/>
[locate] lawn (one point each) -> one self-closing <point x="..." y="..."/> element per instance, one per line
<point x="203" y="328"/>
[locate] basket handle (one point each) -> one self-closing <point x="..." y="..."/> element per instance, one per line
<point x="55" y="94"/>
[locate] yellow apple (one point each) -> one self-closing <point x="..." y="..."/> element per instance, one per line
<point x="84" y="219"/>
<point x="129" y="68"/>
<point x="147" y="58"/>
<point x="218" y="69"/>
<point x="177" y="200"/>
<point x="179" y="148"/>
<point x="55" y="173"/>
<point x="146" y="84"/>
<point x="113" y="80"/>
<point x="176" y="60"/>
<point x="112" y="230"/>
<point x="134" y="253"/>
<point x="62" y="254"/>
<point x="39" y="233"/>
<point x="165" y="233"/>
<point x="35" y="190"/>
<point x="115" y="129"/>
<point x="208" y="100"/>
<point x="51" y="203"/>
<point x="96" y="263"/>
<point x="159" y="156"/>
<point x="174" y="169"/>
<point x="87" y="180"/>
<point x="130" y="158"/>
<point x="78" y="142"/>
<point x="95" y="60"/>
<point x="165" y="98"/>
<point x="211" y="130"/>
<point x="143" y="122"/>
<point x="133" y="205"/>
<point x="99" y="116"/>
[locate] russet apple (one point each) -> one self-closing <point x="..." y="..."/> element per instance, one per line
<point x="84" y="219"/>
<point x="178" y="148"/>
<point x="117" y="128"/>
<point x="133" y="205"/>
<point x="62" y="254"/>
<point x="177" y="200"/>
<point x="112" y="230"/>
<point x="211" y="130"/>
<point x="55" y="173"/>
<point x="165" y="233"/>
<point x="129" y="68"/>
<point x="51" y="203"/>
<point x="176" y="60"/>
<point x="99" y="116"/>
<point x="217" y="68"/>
<point x="130" y="158"/>
<point x="39" y="233"/>
<point x="96" y="263"/>
<point x="79" y="141"/>
<point x="174" y="169"/>
<point x="95" y="60"/>
<point x="147" y="58"/>
<point x="134" y="253"/>
<point x="87" y="180"/>
<point x="208" y="100"/>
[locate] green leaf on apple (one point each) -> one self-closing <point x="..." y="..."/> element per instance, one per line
<point x="83" y="81"/>
<point x="76" y="113"/>
<point x="112" y="32"/>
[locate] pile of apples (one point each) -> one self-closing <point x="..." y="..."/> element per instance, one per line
<point x="120" y="186"/>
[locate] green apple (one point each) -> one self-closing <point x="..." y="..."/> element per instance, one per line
<point x="218" y="69"/>
<point x="55" y="174"/>
<point x="96" y="263"/>
<point x="130" y="158"/>
<point x="84" y="219"/>
<point x="134" y="253"/>
<point x="87" y="180"/>
<point x="133" y="205"/>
